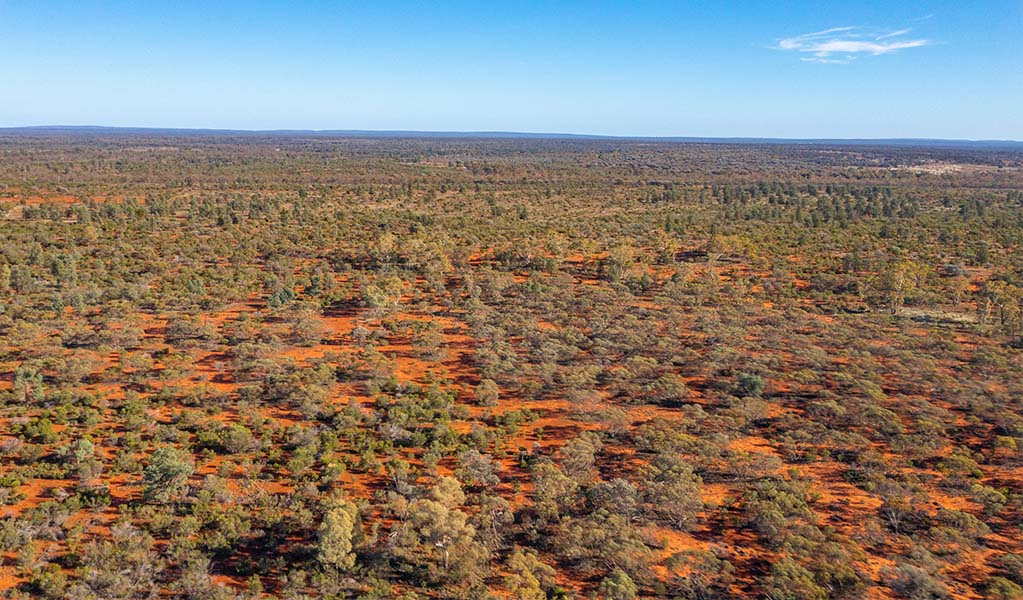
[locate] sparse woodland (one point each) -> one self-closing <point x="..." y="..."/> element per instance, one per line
<point x="274" y="367"/>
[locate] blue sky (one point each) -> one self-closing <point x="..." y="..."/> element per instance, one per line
<point x="767" y="68"/>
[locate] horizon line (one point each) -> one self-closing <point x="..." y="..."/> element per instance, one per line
<point x="491" y="134"/>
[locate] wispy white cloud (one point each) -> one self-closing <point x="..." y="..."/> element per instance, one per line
<point x="840" y="45"/>
<point x="897" y="33"/>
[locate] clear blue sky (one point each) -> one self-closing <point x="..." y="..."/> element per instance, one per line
<point x="770" y="68"/>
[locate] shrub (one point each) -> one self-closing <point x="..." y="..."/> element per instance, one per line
<point x="336" y="535"/>
<point x="618" y="586"/>
<point x="166" y="474"/>
<point x="749" y="385"/>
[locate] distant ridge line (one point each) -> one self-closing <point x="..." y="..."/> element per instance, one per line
<point x="367" y="133"/>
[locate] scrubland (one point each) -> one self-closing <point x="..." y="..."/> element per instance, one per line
<point x="254" y="367"/>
